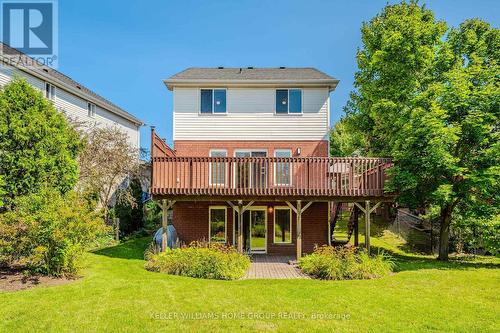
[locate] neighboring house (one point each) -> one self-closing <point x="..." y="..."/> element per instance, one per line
<point x="250" y="162"/>
<point x="69" y="97"/>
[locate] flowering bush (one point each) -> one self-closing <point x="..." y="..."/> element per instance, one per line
<point x="331" y="263"/>
<point x="200" y="260"/>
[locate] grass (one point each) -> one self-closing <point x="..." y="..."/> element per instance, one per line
<point x="118" y="295"/>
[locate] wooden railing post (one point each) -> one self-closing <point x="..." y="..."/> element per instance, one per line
<point x="151" y="155"/>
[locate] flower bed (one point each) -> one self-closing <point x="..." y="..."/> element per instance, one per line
<point x="201" y="260"/>
<point x="330" y="263"/>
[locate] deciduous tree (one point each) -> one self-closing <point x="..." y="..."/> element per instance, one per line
<point x="431" y="102"/>
<point x="107" y="160"/>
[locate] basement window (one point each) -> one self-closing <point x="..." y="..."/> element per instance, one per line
<point x="213" y="101"/>
<point x="282" y="225"/>
<point x="217" y="223"/>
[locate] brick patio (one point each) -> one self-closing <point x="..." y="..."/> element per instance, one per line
<point x="273" y="267"/>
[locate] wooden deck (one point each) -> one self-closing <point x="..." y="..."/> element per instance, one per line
<point x="273" y="267"/>
<point x="320" y="178"/>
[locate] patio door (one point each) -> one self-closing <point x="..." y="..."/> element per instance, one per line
<point x="258" y="230"/>
<point x="251" y="174"/>
<point x="254" y="229"/>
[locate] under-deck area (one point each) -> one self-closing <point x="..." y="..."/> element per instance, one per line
<point x="240" y="183"/>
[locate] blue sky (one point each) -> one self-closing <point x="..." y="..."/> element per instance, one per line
<point x="124" y="49"/>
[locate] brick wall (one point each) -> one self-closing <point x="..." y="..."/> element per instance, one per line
<point x="202" y="148"/>
<point x="191" y="222"/>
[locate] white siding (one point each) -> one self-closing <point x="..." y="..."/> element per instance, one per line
<point x="251" y="116"/>
<point x="75" y="107"/>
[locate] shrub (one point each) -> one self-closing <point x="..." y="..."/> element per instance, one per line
<point x="201" y="260"/>
<point x="48" y="232"/>
<point x="475" y="234"/>
<point x="330" y="263"/>
<point x="130" y="211"/>
<point x="37" y="145"/>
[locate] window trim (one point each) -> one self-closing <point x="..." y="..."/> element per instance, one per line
<point x="274" y="225"/>
<point x="210" y="167"/>
<point x="288" y="106"/>
<point x="291" y="155"/>
<point x="91" y="109"/>
<point x="210" y="208"/>
<point x="52" y="90"/>
<point x="213" y="113"/>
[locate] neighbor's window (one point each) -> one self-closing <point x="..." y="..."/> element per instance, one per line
<point x="282" y="172"/>
<point x="50" y="91"/>
<point x="288" y="101"/>
<point x="217" y="224"/>
<point x="91" y="109"/>
<point x="218" y="169"/>
<point x="213" y="101"/>
<point x="282" y="225"/>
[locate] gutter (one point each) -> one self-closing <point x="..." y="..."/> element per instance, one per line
<point x="331" y="84"/>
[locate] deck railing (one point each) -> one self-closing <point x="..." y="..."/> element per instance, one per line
<point x="245" y="176"/>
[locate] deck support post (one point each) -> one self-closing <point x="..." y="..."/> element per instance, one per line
<point x="240" y="226"/>
<point x="367" y="226"/>
<point x="299" y="229"/>
<point x="330" y="207"/>
<point x="367" y="210"/>
<point x="165" y="206"/>
<point x="298" y="211"/>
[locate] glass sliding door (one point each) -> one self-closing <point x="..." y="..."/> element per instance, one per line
<point x="254" y="229"/>
<point x="250" y="174"/>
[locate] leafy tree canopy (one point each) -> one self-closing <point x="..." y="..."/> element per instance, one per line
<point x="429" y="98"/>
<point x="37" y="146"/>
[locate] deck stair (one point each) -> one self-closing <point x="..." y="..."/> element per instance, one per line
<point x="340" y="237"/>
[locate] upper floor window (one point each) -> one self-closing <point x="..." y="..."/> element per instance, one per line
<point x="50" y="91"/>
<point x="218" y="169"/>
<point x="288" y="101"/>
<point x="91" y="110"/>
<point x="213" y="101"/>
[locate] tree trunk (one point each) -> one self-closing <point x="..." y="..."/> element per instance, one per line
<point x="444" y="231"/>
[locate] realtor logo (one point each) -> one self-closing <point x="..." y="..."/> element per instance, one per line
<point x="31" y="27"/>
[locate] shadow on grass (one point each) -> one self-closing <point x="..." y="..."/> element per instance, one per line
<point x="131" y="249"/>
<point x="409" y="262"/>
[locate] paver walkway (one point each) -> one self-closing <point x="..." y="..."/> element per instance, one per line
<point x="273" y="267"/>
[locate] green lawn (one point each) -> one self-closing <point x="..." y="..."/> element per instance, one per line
<point x="117" y="294"/>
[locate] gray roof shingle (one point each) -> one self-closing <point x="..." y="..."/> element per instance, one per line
<point x="57" y="78"/>
<point x="256" y="75"/>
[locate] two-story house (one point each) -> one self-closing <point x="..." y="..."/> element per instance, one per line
<point x="250" y="162"/>
<point x="76" y="101"/>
